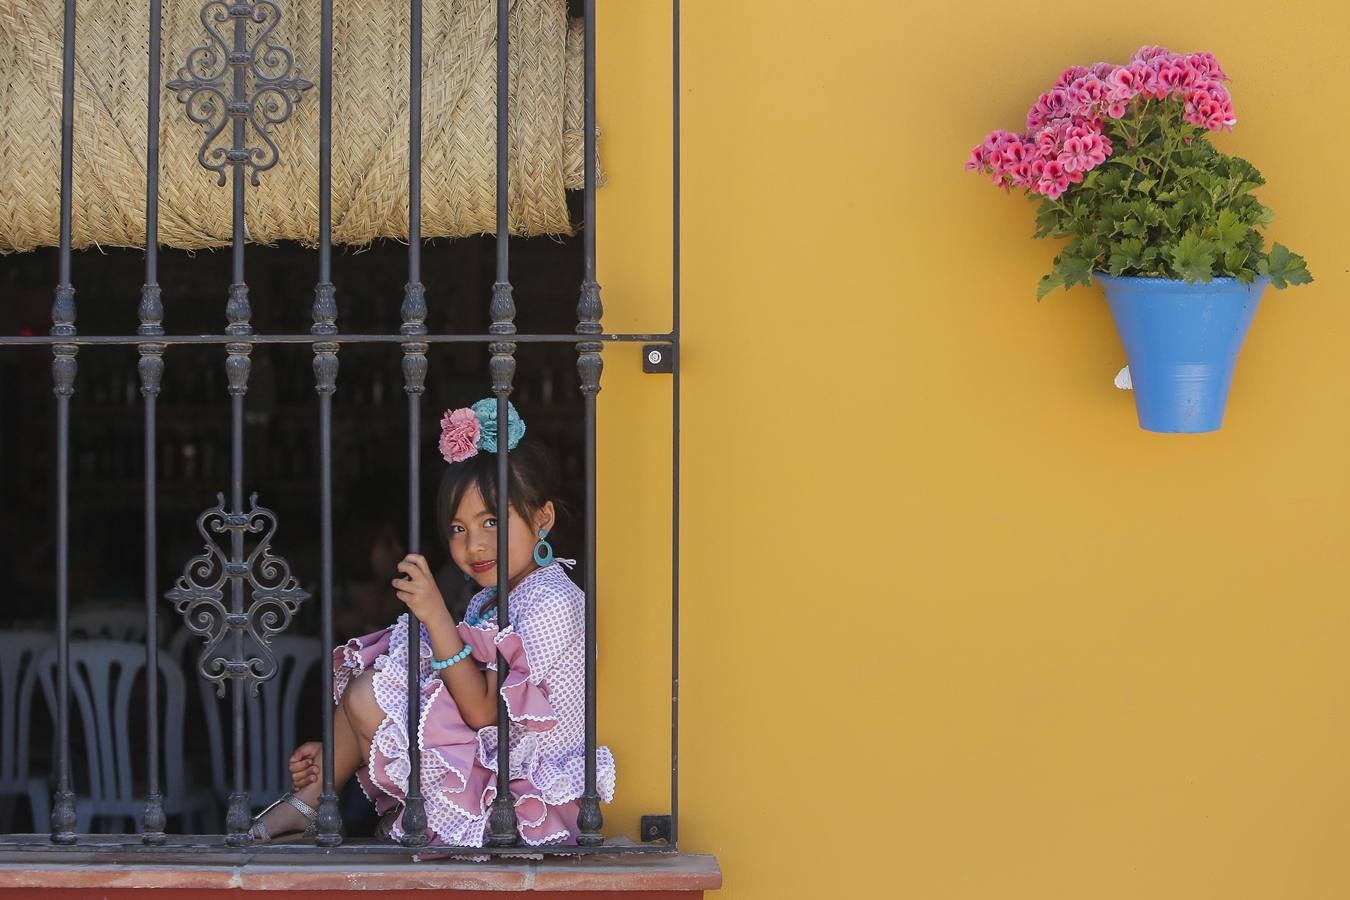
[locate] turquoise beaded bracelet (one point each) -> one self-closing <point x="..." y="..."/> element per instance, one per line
<point x="439" y="664"/>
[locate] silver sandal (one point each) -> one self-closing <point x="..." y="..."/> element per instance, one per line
<point x="257" y="831"/>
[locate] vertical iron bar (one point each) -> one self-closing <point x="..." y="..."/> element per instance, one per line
<point x="589" y="367"/>
<point x="675" y="443"/>
<point x="329" y="821"/>
<point x="63" y="376"/>
<point x="414" y="312"/>
<point x="237" y="368"/>
<point x="151" y="368"/>
<point x="502" y="818"/>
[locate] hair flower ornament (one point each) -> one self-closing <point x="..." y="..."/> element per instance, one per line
<point x="467" y="430"/>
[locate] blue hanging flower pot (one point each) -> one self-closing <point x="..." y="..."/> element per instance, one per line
<point x="1182" y="341"/>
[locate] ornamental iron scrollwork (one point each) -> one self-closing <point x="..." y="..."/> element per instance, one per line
<point x="265" y="96"/>
<point x="274" y="596"/>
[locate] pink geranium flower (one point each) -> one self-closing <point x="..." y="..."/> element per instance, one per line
<point x="1102" y="151"/>
<point x="1085" y="94"/>
<point x="1070" y="75"/>
<point x="1082" y="152"/>
<point x="1176" y="78"/>
<point x="1053" y="104"/>
<point x="1150" y="52"/>
<point x="1066" y="129"/>
<point x="1207" y="65"/>
<point x="1054" y="180"/>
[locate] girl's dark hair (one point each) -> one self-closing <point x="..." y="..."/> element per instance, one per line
<point x="533" y="480"/>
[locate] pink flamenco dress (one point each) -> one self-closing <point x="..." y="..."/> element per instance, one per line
<point x="545" y="693"/>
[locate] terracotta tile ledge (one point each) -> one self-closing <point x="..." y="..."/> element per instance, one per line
<point x="672" y="874"/>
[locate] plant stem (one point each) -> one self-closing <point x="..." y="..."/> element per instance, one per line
<point x="1170" y="147"/>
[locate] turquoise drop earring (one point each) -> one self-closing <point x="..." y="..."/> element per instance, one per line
<point x="543" y="551"/>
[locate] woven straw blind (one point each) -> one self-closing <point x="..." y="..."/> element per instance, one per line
<point x="370" y="125"/>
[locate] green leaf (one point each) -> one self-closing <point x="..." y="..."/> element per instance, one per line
<point x="1230" y="230"/>
<point x="1049" y="221"/>
<point x="1132" y="227"/>
<point x="1193" y="257"/>
<point x="1284" y="267"/>
<point x="1111" y="179"/>
<point x="1246" y="172"/>
<point x="1234" y="259"/>
<point x="1128" y="254"/>
<point x="1075" y="269"/>
<point x="1172" y="216"/>
<point x="1047" y="284"/>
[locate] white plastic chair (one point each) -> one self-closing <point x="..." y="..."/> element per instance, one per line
<point x="19" y="650"/>
<point x="103" y="675"/>
<point x="108" y="621"/>
<point x="270" y="723"/>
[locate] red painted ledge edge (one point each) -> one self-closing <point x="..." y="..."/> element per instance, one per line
<point x="682" y="872"/>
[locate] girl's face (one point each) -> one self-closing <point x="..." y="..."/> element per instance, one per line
<point x="473" y="539"/>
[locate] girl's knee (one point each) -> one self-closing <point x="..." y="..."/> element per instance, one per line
<point x="359" y="702"/>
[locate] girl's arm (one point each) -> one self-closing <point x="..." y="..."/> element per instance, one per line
<point x="473" y="689"/>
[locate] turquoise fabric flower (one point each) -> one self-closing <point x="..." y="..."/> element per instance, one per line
<point x="486" y="411"/>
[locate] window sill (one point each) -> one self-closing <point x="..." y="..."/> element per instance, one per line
<point x="664" y="874"/>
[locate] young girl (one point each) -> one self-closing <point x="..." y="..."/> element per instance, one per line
<point x="544" y="688"/>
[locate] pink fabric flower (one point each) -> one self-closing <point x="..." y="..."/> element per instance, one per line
<point x="460" y="431"/>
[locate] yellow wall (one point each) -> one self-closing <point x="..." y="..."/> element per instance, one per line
<point x="1007" y="645"/>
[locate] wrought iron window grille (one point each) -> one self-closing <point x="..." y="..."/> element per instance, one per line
<point x="241" y="84"/>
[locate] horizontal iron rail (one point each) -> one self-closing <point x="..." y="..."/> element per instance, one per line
<point x="91" y="340"/>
